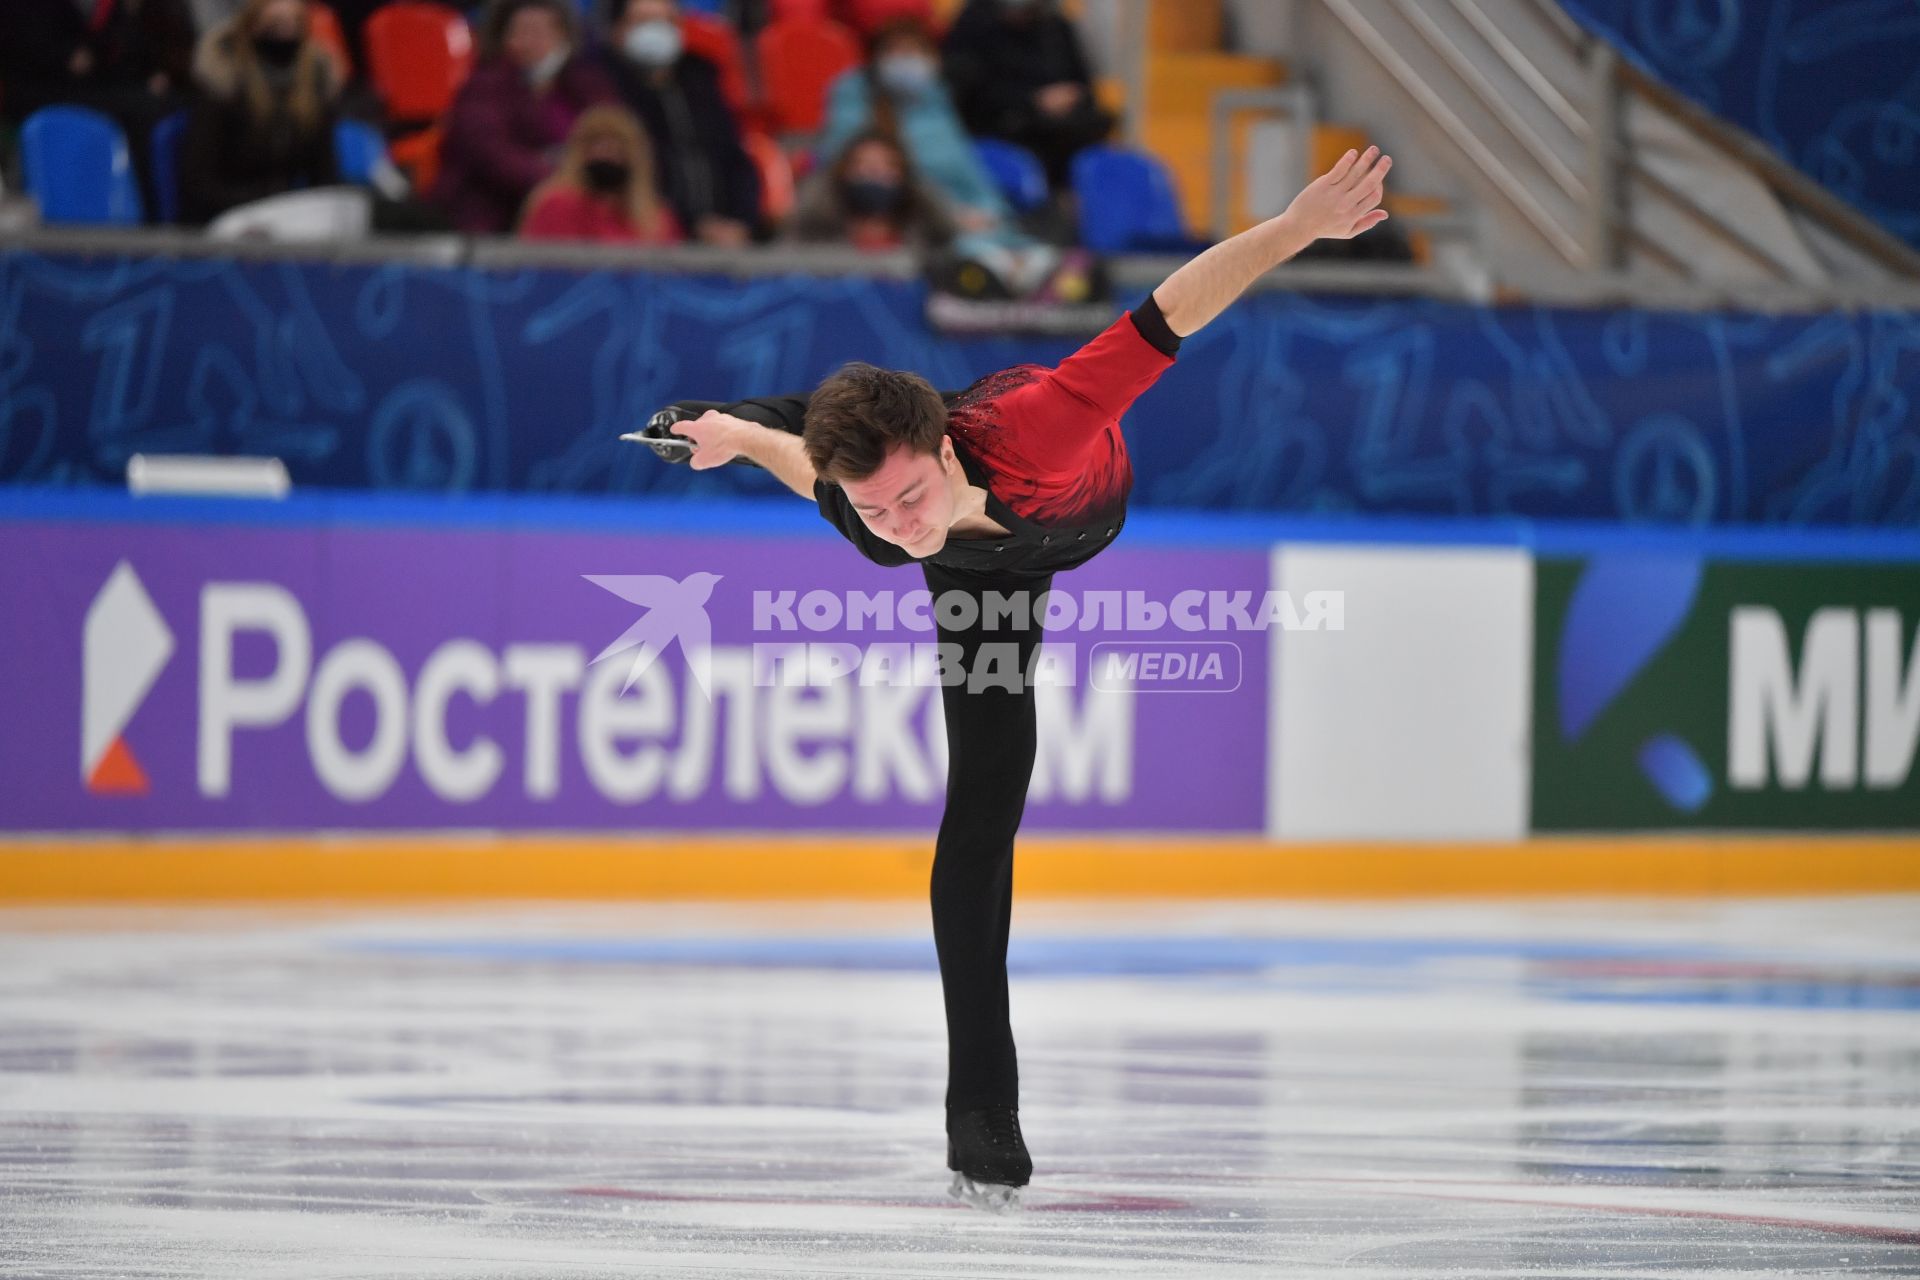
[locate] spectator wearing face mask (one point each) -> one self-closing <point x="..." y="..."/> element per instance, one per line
<point x="870" y="200"/>
<point x="603" y="190"/>
<point x="263" y="115"/>
<point x="899" y="93"/>
<point x="1018" y="72"/>
<point x="508" y="123"/>
<point x="703" y="170"/>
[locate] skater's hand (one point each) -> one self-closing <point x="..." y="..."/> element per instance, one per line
<point x="715" y="438"/>
<point x="1345" y="200"/>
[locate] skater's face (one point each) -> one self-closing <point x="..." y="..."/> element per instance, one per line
<point x="909" y="501"/>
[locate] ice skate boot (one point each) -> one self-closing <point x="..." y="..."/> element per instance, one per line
<point x="988" y="1158"/>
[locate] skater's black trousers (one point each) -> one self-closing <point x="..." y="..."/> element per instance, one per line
<point x="991" y="740"/>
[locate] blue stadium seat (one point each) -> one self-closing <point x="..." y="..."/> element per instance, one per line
<point x="717" y="8"/>
<point x="164" y="150"/>
<point x="1016" y="171"/>
<point x="358" y="151"/>
<point x="77" y="167"/>
<point x="1127" y="202"/>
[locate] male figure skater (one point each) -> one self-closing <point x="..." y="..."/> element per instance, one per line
<point x="996" y="489"/>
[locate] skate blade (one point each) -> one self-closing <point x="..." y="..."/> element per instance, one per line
<point x="993" y="1197"/>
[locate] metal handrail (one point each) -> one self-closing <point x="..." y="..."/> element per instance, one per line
<point x="1544" y="155"/>
<point x="1491" y="98"/>
<point x="1510" y="187"/>
<point x="1800" y="192"/>
<point x="1698" y="212"/>
<point x="1833" y="213"/>
<point x="1517" y="62"/>
<point x="1295" y="101"/>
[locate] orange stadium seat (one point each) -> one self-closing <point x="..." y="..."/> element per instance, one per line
<point x="776" y="176"/>
<point x="799" y="58"/>
<point x="418" y="56"/>
<point x="418" y="155"/>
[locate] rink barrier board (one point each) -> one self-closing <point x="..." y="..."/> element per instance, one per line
<point x="282" y="856"/>
<point x="533" y="370"/>
<point x="669" y="868"/>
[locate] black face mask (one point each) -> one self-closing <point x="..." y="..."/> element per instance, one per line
<point x="607" y="176"/>
<point x="276" y="51"/>
<point x="869" y="199"/>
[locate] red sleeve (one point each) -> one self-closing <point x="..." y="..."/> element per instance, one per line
<point x="551" y="218"/>
<point x="666" y="226"/>
<point x="1068" y="408"/>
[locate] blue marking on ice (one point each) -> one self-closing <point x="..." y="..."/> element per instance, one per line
<point x="1309" y="962"/>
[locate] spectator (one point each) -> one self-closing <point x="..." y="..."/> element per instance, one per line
<point x="263" y="116"/>
<point x="870" y="199"/>
<point x="899" y="93"/>
<point x="703" y="169"/>
<point x="509" y="120"/>
<point x="208" y="14"/>
<point x="604" y="189"/>
<point x="1019" y="73"/>
<point x="128" y="59"/>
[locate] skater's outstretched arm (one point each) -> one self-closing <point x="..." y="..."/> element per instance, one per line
<point x="1337" y="205"/>
<point x="719" y="438"/>
<point x="766" y="432"/>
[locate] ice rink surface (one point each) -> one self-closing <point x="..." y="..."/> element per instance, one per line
<point x="1591" y="1089"/>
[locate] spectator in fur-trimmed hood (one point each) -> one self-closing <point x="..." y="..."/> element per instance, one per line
<point x="266" y="99"/>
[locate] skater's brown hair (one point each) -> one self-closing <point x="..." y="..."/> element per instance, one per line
<point x="860" y="413"/>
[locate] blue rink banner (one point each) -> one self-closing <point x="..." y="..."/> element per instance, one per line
<point x="304" y="673"/>
<point x="403" y="377"/>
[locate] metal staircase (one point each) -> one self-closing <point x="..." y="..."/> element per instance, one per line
<point x="1581" y="163"/>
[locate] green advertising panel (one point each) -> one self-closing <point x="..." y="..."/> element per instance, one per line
<point x="1674" y="692"/>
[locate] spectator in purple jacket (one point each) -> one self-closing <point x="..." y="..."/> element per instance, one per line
<point x="506" y="128"/>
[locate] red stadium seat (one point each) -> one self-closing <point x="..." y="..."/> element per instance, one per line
<point x="799" y="58"/>
<point x="715" y="40"/>
<point x="323" y="26"/>
<point x="418" y="56"/>
<point x="776" y="176"/>
<point x="868" y="16"/>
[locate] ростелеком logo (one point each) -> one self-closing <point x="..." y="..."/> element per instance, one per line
<point x="126" y="643"/>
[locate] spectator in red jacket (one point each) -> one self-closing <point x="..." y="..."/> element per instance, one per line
<point x="603" y="190"/>
<point x="507" y="125"/>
